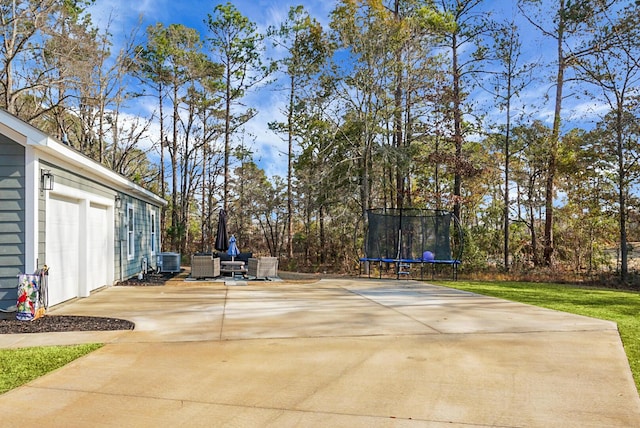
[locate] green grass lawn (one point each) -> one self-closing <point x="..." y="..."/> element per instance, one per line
<point x="622" y="307"/>
<point x="19" y="366"/>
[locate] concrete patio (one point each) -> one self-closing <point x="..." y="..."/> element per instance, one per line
<point x="335" y="353"/>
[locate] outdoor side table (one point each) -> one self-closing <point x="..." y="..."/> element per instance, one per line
<point x="232" y="267"/>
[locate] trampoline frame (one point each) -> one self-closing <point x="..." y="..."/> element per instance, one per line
<point x="403" y="261"/>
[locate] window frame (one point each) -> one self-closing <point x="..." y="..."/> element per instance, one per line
<point x="153" y="229"/>
<point x="131" y="232"/>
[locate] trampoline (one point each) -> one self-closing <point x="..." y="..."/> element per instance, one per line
<point x="412" y="236"/>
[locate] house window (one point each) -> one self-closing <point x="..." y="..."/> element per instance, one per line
<point x="131" y="243"/>
<point x="152" y="225"/>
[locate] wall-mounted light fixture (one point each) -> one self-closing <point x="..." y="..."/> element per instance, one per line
<point x="118" y="202"/>
<point x="46" y="180"/>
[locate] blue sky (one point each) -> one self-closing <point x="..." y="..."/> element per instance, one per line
<point x="123" y="16"/>
<point x="192" y="13"/>
<point x="269" y="149"/>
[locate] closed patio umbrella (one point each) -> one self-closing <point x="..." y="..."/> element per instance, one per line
<point x="221" y="243"/>
<point x="233" y="248"/>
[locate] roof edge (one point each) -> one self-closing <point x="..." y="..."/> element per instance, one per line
<point x="28" y="135"/>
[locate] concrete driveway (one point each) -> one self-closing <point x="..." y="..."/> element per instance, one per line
<point x="336" y="353"/>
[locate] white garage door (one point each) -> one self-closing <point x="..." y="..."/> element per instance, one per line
<point x="63" y="248"/>
<point x="99" y="250"/>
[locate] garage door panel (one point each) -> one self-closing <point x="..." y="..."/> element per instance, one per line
<point x="98" y="247"/>
<point x="63" y="248"/>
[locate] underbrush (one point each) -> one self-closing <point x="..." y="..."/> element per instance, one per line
<point x="609" y="280"/>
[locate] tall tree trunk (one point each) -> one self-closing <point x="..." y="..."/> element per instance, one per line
<point x="457" y="130"/>
<point x="290" y="170"/>
<point x="506" y="201"/>
<point x="323" y="246"/>
<point x="553" y="149"/>
<point x="622" y="197"/>
<point x="397" y="119"/>
<point x="507" y="154"/>
<point x="163" y="190"/>
<point x="174" y="172"/>
<point x="534" y="236"/>
<point x="227" y="141"/>
<point x="204" y="225"/>
<point x="436" y="175"/>
<point x="364" y="186"/>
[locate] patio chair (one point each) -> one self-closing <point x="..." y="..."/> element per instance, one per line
<point x="205" y="266"/>
<point x="263" y="267"/>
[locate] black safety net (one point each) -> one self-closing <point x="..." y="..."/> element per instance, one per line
<point x="413" y="234"/>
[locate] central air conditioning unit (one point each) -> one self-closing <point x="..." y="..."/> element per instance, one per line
<point x="168" y="262"/>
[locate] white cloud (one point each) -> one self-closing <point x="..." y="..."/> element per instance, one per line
<point x="588" y="111"/>
<point x="122" y="16"/>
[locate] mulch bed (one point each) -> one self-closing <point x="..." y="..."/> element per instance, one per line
<point x="148" y="281"/>
<point x="59" y="323"/>
<point x="62" y="323"/>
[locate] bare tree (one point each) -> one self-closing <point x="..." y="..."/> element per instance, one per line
<point x="29" y="67"/>
<point x="508" y="80"/>
<point x="614" y="69"/>
<point x="566" y="24"/>
<point x="307" y="49"/>
<point x="236" y="44"/>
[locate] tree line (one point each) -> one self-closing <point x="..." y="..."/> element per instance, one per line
<point x="395" y="103"/>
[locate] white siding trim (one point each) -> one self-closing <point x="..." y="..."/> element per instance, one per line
<point x="31" y="191"/>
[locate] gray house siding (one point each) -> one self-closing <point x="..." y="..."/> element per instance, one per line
<point x="124" y="268"/>
<point x="78" y="224"/>
<point x="144" y="213"/>
<point x="12" y="219"/>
